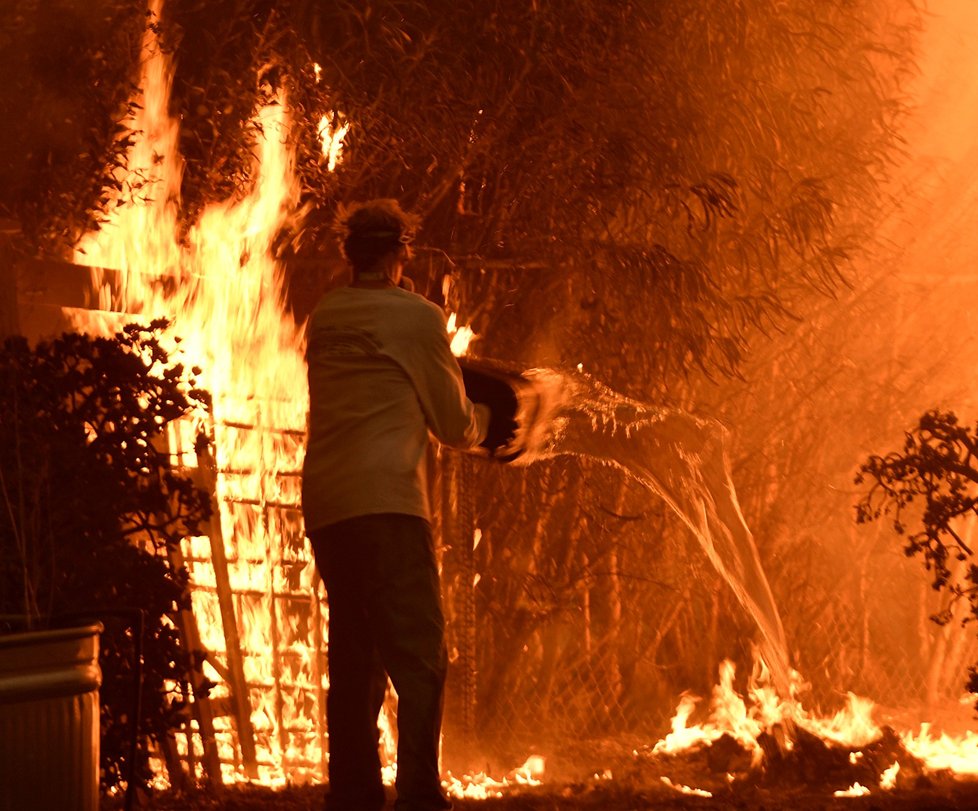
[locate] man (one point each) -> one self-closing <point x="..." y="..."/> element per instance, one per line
<point x="381" y="376"/>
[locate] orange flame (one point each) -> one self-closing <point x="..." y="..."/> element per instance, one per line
<point x="851" y="727"/>
<point x="333" y="130"/>
<point x="461" y="336"/>
<point x="222" y="290"/>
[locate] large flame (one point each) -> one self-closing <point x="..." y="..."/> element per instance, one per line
<point x="222" y="291"/>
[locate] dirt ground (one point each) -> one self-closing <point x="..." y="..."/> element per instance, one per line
<point x="603" y="797"/>
<point x="802" y="777"/>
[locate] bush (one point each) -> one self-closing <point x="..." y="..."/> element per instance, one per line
<point x="928" y="488"/>
<point x="90" y="507"/>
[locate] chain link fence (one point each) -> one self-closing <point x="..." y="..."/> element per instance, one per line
<point x="585" y="610"/>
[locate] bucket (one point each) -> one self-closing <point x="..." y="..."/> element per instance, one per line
<point x="49" y="719"/>
<point x="513" y="405"/>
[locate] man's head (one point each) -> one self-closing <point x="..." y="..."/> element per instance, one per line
<point x="376" y="234"/>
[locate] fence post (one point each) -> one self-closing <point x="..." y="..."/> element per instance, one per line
<point x="455" y="524"/>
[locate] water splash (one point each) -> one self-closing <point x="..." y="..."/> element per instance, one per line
<point x="677" y="456"/>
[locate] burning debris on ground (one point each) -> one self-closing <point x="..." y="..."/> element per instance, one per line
<point x="809" y="764"/>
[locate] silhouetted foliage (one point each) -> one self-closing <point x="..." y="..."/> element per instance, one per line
<point x="68" y="78"/>
<point x="934" y="478"/>
<point x="89" y="506"/>
<point x="666" y="177"/>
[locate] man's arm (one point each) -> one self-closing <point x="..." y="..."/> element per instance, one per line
<point x="451" y="416"/>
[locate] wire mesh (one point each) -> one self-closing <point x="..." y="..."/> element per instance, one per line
<point x="594" y="613"/>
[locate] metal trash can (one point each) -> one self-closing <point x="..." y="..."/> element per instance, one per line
<point x="49" y="719"/>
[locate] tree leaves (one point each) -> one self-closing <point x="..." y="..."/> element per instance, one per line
<point x="69" y="71"/>
<point x="929" y="487"/>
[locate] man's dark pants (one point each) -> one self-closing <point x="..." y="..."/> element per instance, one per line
<point x="385" y="618"/>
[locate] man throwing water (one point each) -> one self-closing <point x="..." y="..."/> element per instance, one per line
<point x="381" y="376"/>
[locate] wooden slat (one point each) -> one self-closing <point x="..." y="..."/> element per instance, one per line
<point x="225" y="600"/>
<point x="190" y="637"/>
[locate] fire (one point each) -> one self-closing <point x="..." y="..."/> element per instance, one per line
<point x="332" y="131"/>
<point x="461" y="336"/>
<point x="259" y="612"/>
<point x="481" y="786"/>
<point x="729" y="715"/>
<point x="889" y="776"/>
<point x="257" y="601"/>
<point x="692" y="792"/>
<point x="254" y="586"/>
<point x="959" y="754"/>
<point x="853" y="727"/>
<point x="855" y="790"/>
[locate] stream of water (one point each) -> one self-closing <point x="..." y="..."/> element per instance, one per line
<point x="677" y="456"/>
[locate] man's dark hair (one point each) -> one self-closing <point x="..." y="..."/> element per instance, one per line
<point x="371" y="230"/>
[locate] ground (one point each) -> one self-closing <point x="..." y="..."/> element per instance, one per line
<point x="604" y="796"/>
<point x="799" y="777"/>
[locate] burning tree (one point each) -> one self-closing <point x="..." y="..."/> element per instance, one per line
<point x="664" y="177"/>
<point x="671" y="175"/>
